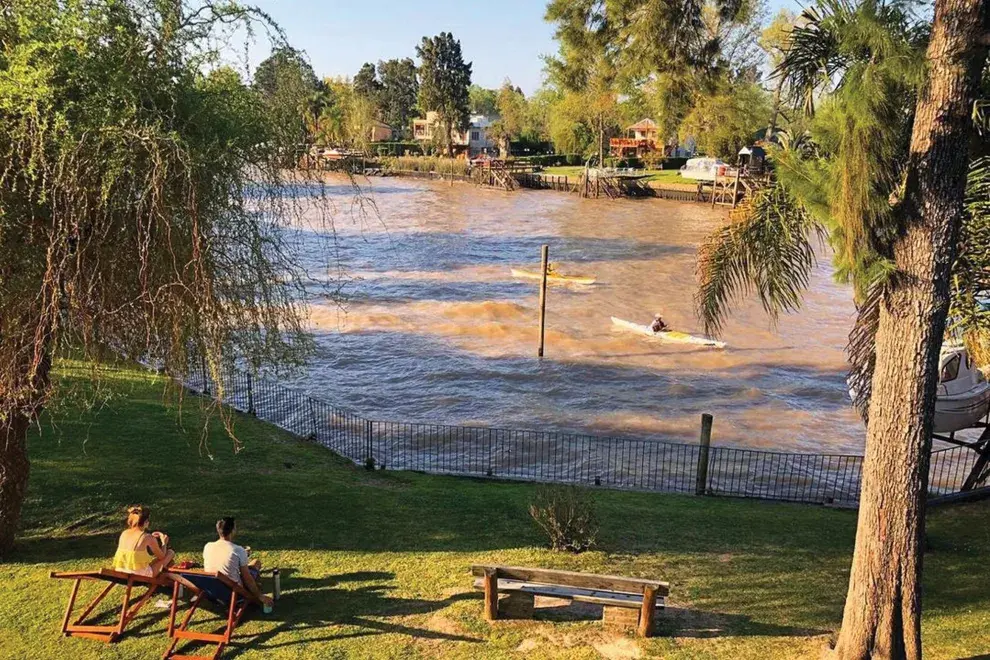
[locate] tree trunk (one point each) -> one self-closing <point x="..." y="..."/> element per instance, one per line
<point x="775" y="110"/>
<point x="449" y="125"/>
<point x="14" y="468"/>
<point x="882" y="616"/>
<point x="601" y="141"/>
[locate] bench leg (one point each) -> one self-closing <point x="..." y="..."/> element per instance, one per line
<point x="648" y="612"/>
<point x="491" y="594"/>
<point x="620" y="617"/>
<point x="517" y="605"/>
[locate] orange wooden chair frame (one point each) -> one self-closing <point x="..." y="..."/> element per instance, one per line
<point x="110" y="633"/>
<point x="240" y="599"/>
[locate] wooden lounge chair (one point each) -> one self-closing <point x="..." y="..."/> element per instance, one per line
<point x="205" y="587"/>
<point x="111" y="578"/>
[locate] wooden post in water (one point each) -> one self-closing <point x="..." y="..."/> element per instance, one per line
<point x="544" y="261"/>
<point x="701" y="483"/>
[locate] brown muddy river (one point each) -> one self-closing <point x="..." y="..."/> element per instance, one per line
<point x="432" y="327"/>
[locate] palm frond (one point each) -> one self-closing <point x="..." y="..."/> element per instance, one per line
<point x="767" y="248"/>
<point x="969" y="313"/>
<point x="861" y="350"/>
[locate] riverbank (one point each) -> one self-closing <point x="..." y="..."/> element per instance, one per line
<point x="375" y="565"/>
<point x="662" y="184"/>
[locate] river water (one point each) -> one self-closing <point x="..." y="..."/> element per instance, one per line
<point x="431" y="327"/>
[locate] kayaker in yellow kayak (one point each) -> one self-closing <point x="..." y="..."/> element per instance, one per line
<point x="659" y="325"/>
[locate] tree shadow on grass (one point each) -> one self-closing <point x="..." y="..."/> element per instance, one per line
<point x="335" y="614"/>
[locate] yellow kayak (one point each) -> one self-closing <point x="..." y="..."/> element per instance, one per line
<point x="553" y="277"/>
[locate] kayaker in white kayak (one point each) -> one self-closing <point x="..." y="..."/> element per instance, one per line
<point x="659" y="325"/>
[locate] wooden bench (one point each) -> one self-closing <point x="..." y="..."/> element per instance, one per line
<point x="629" y="601"/>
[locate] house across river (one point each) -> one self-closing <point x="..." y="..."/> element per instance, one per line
<point x="642" y="137"/>
<point x="472" y="141"/>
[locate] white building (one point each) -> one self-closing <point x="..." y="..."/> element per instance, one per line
<point x="474" y="140"/>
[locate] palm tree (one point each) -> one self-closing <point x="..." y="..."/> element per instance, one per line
<point x="882" y="178"/>
<point x="318" y="113"/>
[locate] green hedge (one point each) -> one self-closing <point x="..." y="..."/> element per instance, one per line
<point x="552" y="160"/>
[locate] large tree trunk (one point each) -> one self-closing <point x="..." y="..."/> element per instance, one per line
<point x="882" y="615"/>
<point x="14" y="468"/>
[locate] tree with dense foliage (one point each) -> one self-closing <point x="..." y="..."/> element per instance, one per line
<point x="287" y="83"/>
<point x="444" y="81"/>
<point x="140" y="206"/>
<point x="366" y="82"/>
<point x="586" y="68"/>
<point x="483" y="101"/>
<point x="668" y="51"/>
<point x="724" y="122"/>
<point x="512" y="117"/>
<point x="399" y="93"/>
<point x="883" y="176"/>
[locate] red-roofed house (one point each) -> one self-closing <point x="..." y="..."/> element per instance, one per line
<point x="642" y="137"/>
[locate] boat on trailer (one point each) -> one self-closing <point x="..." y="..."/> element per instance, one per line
<point x="963" y="395"/>
<point x="703" y="169"/>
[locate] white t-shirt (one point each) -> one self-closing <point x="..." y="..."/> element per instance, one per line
<point x="225" y="557"/>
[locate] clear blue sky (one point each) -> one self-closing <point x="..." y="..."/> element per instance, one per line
<point x="503" y="38"/>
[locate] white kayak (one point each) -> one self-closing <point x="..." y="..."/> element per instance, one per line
<point x="672" y="337"/>
<point x="552" y="277"/>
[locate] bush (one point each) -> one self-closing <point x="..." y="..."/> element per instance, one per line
<point x="567" y="515"/>
<point x="426" y="164"/>
<point x="673" y="163"/>
<point x="632" y="161"/>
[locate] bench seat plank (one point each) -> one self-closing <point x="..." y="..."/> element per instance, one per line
<point x="595" y="596"/>
<point x="586" y="581"/>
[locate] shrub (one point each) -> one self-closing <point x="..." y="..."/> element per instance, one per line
<point x="673" y="163"/>
<point x="567" y="515"/>
<point x="426" y="164"/>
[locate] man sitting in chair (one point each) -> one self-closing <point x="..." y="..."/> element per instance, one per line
<point x="226" y="557"/>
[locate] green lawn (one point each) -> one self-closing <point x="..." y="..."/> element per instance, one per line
<point x="376" y="564"/>
<point x="658" y="176"/>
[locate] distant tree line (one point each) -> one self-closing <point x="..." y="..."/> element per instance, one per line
<point x="708" y="85"/>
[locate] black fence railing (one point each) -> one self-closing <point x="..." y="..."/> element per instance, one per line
<point x="551" y="456"/>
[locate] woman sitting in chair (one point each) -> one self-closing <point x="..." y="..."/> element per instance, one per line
<point x="139" y="551"/>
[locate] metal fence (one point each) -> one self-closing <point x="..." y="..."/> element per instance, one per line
<point x="550" y="456"/>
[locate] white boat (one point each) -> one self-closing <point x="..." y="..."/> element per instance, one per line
<point x="703" y="169"/>
<point x="669" y="336"/>
<point x="963" y="395"/>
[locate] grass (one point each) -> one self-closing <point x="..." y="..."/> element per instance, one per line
<point x="376" y="565"/>
<point x="655" y="176"/>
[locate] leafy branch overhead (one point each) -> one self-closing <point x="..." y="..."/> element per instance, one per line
<point x="855" y="70"/>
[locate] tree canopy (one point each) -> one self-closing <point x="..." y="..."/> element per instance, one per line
<point x="444" y="81"/>
<point x="141" y="201"/>
<point x="399" y="92"/>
